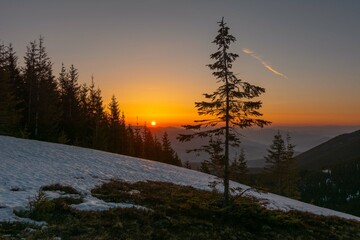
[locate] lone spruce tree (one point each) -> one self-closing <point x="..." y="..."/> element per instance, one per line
<point x="229" y="107"/>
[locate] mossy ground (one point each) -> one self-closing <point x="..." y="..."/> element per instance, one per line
<point x="173" y="212"/>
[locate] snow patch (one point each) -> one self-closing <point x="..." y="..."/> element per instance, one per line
<point x="27" y="165"/>
<point x="94" y="204"/>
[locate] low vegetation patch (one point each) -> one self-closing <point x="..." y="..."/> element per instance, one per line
<point x="176" y="212"/>
<point x="59" y="187"/>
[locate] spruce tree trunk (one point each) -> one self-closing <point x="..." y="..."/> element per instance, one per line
<point x="37" y="108"/>
<point x="29" y="107"/>
<point x="226" y="160"/>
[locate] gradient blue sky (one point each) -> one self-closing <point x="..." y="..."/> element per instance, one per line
<point x="152" y="54"/>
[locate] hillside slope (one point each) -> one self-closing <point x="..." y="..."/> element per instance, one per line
<point x="26" y="165"/>
<point x="343" y="148"/>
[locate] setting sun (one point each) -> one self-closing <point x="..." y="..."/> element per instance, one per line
<point x="153" y="123"/>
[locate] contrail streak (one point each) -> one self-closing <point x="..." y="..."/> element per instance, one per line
<point x="265" y="64"/>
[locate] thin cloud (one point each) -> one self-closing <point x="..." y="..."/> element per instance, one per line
<point x="265" y="64"/>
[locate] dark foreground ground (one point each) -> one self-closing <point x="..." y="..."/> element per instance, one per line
<point x="171" y="212"/>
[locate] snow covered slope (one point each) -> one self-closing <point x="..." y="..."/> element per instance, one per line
<point x="26" y="165"/>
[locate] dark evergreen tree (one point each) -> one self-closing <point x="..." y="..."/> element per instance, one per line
<point x="280" y="166"/>
<point x="70" y="102"/>
<point x="42" y="101"/>
<point x="204" y="167"/>
<point x="115" y="127"/>
<point x="83" y="130"/>
<point x="148" y="146"/>
<point x="157" y="150"/>
<point x="292" y="173"/>
<point x="215" y="164"/>
<point x="124" y="141"/>
<point x="10" y="114"/>
<point x="187" y="164"/>
<point x="176" y="160"/>
<point x="275" y="162"/>
<point x="230" y="106"/>
<point x="168" y="154"/>
<point x="130" y="139"/>
<point x="16" y="82"/>
<point x="30" y="84"/>
<point x="167" y="151"/>
<point x="49" y="108"/>
<point x="239" y="169"/>
<point x="96" y="117"/>
<point x="3" y="54"/>
<point x="138" y="142"/>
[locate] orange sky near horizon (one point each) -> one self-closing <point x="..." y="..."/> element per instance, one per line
<point x="170" y="101"/>
<point x="175" y="118"/>
<point x="170" y="111"/>
<point x="152" y="55"/>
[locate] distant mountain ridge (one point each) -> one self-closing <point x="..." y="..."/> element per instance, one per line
<point x="256" y="141"/>
<point x="343" y="148"/>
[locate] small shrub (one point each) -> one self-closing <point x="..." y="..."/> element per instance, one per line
<point x="43" y="209"/>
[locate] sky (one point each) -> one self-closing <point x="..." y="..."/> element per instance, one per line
<point x="152" y="55"/>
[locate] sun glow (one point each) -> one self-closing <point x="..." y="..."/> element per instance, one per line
<point x="153" y="123"/>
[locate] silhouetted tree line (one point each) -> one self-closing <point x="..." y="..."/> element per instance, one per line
<point x="37" y="105"/>
<point x="280" y="175"/>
